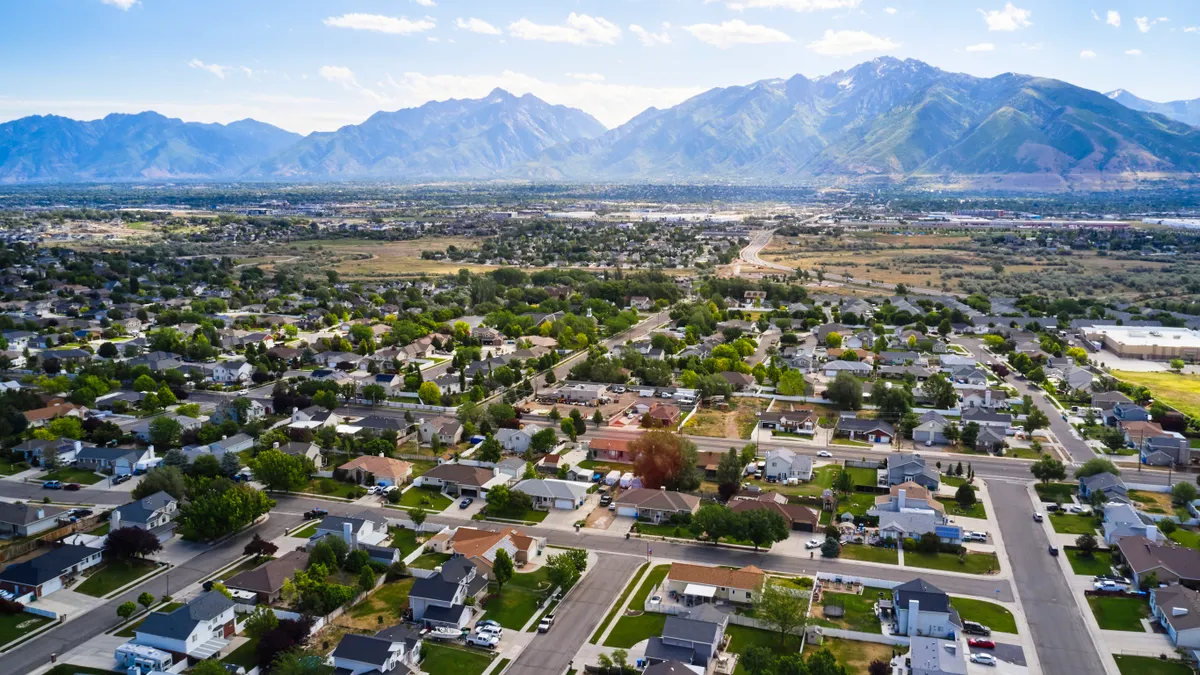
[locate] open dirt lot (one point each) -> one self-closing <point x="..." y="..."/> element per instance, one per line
<point x="608" y="410"/>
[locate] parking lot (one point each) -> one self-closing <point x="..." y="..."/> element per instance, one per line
<point x="544" y="402"/>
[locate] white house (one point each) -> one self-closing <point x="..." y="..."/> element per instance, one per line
<point x="442" y="599"/>
<point x="396" y="649"/>
<point x="783" y="464"/>
<point x="923" y="609"/>
<point x="1122" y="520"/>
<point x="199" y="629"/>
<point x="366" y="528"/>
<point x="229" y="371"/>
<point x="154" y="513"/>
<point x="516" y="441"/>
<point x="550" y="493"/>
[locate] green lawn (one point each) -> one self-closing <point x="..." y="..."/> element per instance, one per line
<point x="1188" y="538"/>
<point x="630" y="627"/>
<point x="976" y="510"/>
<point x="69" y="475"/>
<point x="430" y="499"/>
<point x="245" y="656"/>
<point x="389" y="601"/>
<point x="996" y="617"/>
<point x="854" y="655"/>
<point x="429" y="561"/>
<point x="848" y="442"/>
<point x="334" y="488"/>
<point x="1148" y="665"/>
<point x="860" y="614"/>
<point x="637" y="576"/>
<point x="404" y="539"/>
<point x="8" y="468"/>
<point x="101" y="529"/>
<point x="972" y="563"/>
<point x="306" y="532"/>
<point x="877" y="554"/>
<point x="957" y="481"/>
<point x="1048" y="492"/>
<point x="514" y="606"/>
<point x="13" y="626"/>
<point x="1177" y="390"/>
<point x="1071" y="523"/>
<point x="1119" y="613"/>
<point x="446" y="660"/>
<point x="1099" y="563"/>
<point x="530" y="515"/>
<point x="131" y="630"/>
<point x="114" y="575"/>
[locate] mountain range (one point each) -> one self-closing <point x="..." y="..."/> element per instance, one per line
<point x="884" y="120"/>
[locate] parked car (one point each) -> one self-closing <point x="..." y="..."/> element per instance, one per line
<point x="496" y="631"/>
<point x="975" y="628"/>
<point x="121" y="478"/>
<point x="544" y="626"/>
<point x="485" y="641"/>
<point x="980" y="643"/>
<point x="824" y="453"/>
<point x="487" y="622"/>
<point x="983" y="659"/>
<point x="1110" y="585"/>
<point x="1037" y="517"/>
<point x="1053" y="550"/>
<point x="618" y="388"/>
<point x="467" y="501"/>
<point x="72" y="486"/>
<point x="814" y="543"/>
<point x="52" y="485"/>
<point x="81" y="513"/>
<point x="605" y="500"/>
<point x="315" y="514"/>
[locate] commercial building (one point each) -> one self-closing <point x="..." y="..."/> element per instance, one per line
<point x="1158" y="343"/>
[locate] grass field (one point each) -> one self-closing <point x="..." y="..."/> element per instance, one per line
<point x="429" y="498"/>
<point x="1099" y="563"/>
<point x="329" y="487"/>
<point x="1048" y="492"/>
<point x="630" y="627"/>
<point x="429" y="561"/>
<point x="388" y="601"/>
<point x="114" y="575"/>
<point x="356" y="258"/>
<point x="859" y="611"/>
<point x="13" y="626"/>
<point x="446" y="660"/>
<point x="1188" y="538"/>
<point x="521" y="597"/>
<point x="856" y="656"/>
<point x="987" y="613"/>
<point x="69" y="475"/>
<point x="245" y="656"/>
<point x="637" y="576"/>
<point x="1070" y="523"/>
<point x="877" y="554"/>
<point x="404" y="539"/>
<point x="1118" y="613"/>
<point x="976" y="510"/>
<point x="1179" y="391"/>
<point x="1148" y="665"/>
<point x="971" y="563"/>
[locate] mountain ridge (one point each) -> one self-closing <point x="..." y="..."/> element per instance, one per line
<point x="1184" y="110"/>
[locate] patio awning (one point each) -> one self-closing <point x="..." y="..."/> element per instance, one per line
<point x="700" y="590"/>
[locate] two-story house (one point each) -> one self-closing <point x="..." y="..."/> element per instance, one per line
<point x="155" y="513"/>
<point x="924" y="609"/>
<point x="516" y="441"/>
<point x="903" y="467"/>
<point x="441" y="600"/>
<point x="783" y="465"/>
<point x="694" y="638"/>
<point x="198" y="630"/>
<point x="391" y="650"/>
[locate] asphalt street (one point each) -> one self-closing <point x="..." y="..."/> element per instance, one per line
<point x="75" y="632"/>
<point x="1053" y="612"/>
<point x="576" y="618"/>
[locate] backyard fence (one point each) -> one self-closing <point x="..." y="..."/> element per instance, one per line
<point x="894" y="640"/>
<point x="850" y="579"/>
<point x="18" y="550"/>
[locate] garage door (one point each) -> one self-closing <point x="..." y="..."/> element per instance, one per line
<point x="627" y="511"/>
<point x="564" y="504"/>
<point x="51" y="586"/>
<point x="468" y="492"/>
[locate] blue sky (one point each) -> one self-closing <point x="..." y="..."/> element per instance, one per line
<point x="318" y="64"/>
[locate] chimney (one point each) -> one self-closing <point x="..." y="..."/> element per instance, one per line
<point x="348" y="535"/>
<point x="115" y="520"/>
<point x="914" y="618"/>
<point x="900" y="499"/>
<point x="41" y="513"/>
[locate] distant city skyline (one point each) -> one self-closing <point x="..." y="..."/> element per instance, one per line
<point x="308" y="65"/>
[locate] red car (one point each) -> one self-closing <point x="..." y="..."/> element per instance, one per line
<point x="72" y="486"/>
<point x="981" y="644"/>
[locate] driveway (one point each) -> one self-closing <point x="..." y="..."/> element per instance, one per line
<point x="576" y="618"/>
<point x="564" y="519"/>
<point x="69" y="603"/>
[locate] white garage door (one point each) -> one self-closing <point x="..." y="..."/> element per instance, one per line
<point x="564" y="504"/>
<point x="627" y="511"/>
<point x="51" y="586"/>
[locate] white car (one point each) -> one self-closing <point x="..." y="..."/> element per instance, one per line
<point x="490" y="630"/>
<point x="984" y="659"/>
<point x="814" y="543"/>
<point x="485" y="641"/>
<point x="824" y="453"/>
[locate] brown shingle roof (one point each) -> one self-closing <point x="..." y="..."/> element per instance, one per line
<point x="749" y="578"/>
<point x="269" y="577"/>
<point x="384" y="467"/>
<point x="461" y="474"/>
<point x="659" y="500"/>
<point x="1144" y="556"/>
<point x="793" y="513"/>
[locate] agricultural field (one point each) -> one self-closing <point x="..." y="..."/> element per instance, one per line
<point x="361" y="259"/>
<point x="1181" y="392"/>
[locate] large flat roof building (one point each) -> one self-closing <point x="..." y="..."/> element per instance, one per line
<point x="1149" y="343"/>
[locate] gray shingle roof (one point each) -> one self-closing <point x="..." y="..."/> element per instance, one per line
<point x="142" y="510"/>
<point x="930" y="597"/>
<point x="364" y="648"/>
<point x="180" y="623"/>
<point x="24" y="514"/>
<point x="48" y="565"/>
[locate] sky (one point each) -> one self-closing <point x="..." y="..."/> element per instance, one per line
<point x="316" y="65"/>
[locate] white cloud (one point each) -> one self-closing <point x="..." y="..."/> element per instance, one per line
<point x="213" y="68"/>
<point x="795" y="5"/>
<point x="380" y="23"/>
<point x="890" y="10"/>
<point x="476" y="26"/>
<point x="1095" y="16"/>
<point x="736" y="32"/>
<point x="1191" y="29"/>
<point x="426" y="3"/>
<point x="982" y="47"/>
<point x="1087" y="54"/>
<point x="587" y="77"/>
<point x="121" y="4"/>
<point x="1133" y="52"/>
<point x="1113" y="18"/>
<point x="649" y="38"/>
<point x="846" y="42"/>
<point x="343" y="76"/>
<point x="1144" y="22"/>
<point x="580" y="29"/>
<point x="611" y="103"/>
<point x="1008" y="19"/>
<point x="1033" y="47"/>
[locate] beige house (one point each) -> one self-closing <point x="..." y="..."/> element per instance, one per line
<point x="387" y="471"/>
<point x="698" y="584"/>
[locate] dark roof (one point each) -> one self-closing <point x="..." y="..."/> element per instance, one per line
<point x="108" y="454"/>
<point x="48" y="565"/>
<point x="142" y="510"/>
<point x="441" y="614"/>
<point x="981" y="415"/>
<point x="930" y="597"/>
<point x="180" y="623"/>
<point x="657" y="649"/>
<point x="334" y="523"/>
<point x="461" y="474"/>
<point x="434" y="588"/>
<point x="668" y="668"/>
<point x="400" y="633"/>
<point x="1102" y="481"/>
<point x="24" y="514"/>
<point x="865" y="425"/>
<point x="269" y="577"/>
<point x="364" y="648"/>
<point x="457" y="568"/>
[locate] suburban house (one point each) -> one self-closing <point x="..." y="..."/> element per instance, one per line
<point x="1106" y="400"/>
<point x="228" y="371"/>
<point x="228" y="410"/>
<point x="1125" y="412"/>
<point x="155" y="513"/>
<point x="141" y="430"/>
<point x="514" y="468"/>
<point x="309" y="450"/>
<point x="481" y="546"/>
<point x="41" y="416"/>
<point x="931" y="656"/>
<point x="447" y="429"/>
<point x="912" y="524"/>
<point x="987" y="418"/>
<point x="869" y="430"/>
<point x="1177" y="610"/>
<point x="18" y="519"/>
<point x="858" y="368"/>
<point x="908" y="496"/>
<point x="985" y="398"/>
<point x="700" y="584"/>
<point x="36" y="450"/>
<point x="115" y="460"/>
<point x="50" y="571"/>
<point x="799" y="517"/>
<point x="1171" y="564"/>
<point x="372" y="469"/>
<point x="441" y="600"/>
<point x="1165" y="450"/>
<point x="364" y="529"/>
<point x="516" y="441"/>
<point x="198" y="630"/>
<point x="550" y="493"/>
<point x="655" y="505"/>
<point x="904" y="467"/>
<point x="932" y="429"/>
<point x="392" y="650"/>
<point x="694" y="638"/>
<point x="783" y="465"/>
<point x="990" y="439"/>
<point x="739" y="381"/>
<point x="1123" y="520"/>
<point x="923" y="609"/>
<point x="266" y="580"/>
<point x="1112" y="487"/>
<point x="802" y="421"/>
<point x="610" y="450"/>
<point x="664" y="414"/>
<point x="462" y="480"/>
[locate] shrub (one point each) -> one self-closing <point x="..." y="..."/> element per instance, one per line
<point x="11" y="607"/>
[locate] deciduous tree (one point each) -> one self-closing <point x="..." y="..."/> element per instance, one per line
<point x="665" y="459"/>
